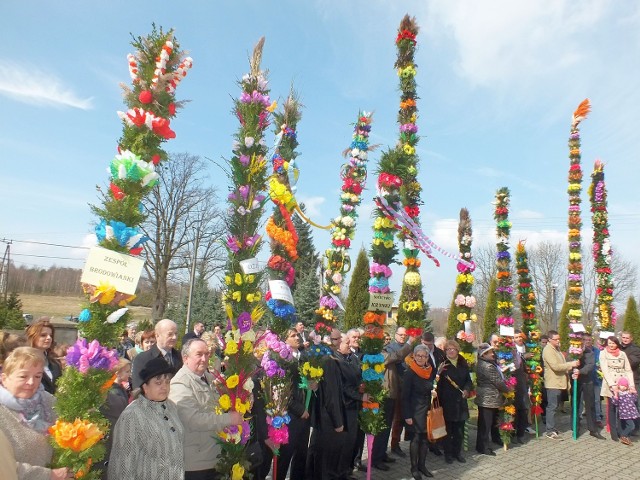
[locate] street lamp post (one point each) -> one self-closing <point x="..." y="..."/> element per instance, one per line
<point x="554" y="289"/>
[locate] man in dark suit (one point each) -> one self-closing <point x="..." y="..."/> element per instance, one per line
<point x="166" y="339"/>
<point x="198" y="330"/>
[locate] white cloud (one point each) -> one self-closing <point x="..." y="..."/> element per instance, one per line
<point x="33" y="86"/>
<point x="527" y="214"/>
<point x="312" y="206"/>
<point x="502" y="41"/>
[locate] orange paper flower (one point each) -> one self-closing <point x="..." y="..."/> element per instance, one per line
<point x="77" y="436"/>
<point x="107" y="385"/>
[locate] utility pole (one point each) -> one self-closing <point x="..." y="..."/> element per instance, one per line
<point x="4" y="271"/>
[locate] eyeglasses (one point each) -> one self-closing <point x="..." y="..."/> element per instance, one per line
<point x="452" y="349"/>
<point x="420" y="356"/>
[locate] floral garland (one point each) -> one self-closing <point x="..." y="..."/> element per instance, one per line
<point x="530" y="328"/>
<point x="280" y="227"/>
<point x="155" y="70"/>
<point x="337" y="260"/>
<point x="464" y="301"/>
<point x="242" y="297"/>
<point x="602" y="248"/>
<point x="276" y="384"/>
<point x="504" y="292"/>
<point x="574" y="267"/>
<point x="411" y="313"/>
<point x="276" y="387"/>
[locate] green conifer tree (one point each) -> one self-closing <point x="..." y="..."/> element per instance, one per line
<point x="632" y="319"/>
<point x="306" y="295"/>
<point x="308" y="258"/>
<point x="358" y="298"/>
<point x="453" y="325"/>
<point x="563" y="324"/>
<point x="490" y="313"/>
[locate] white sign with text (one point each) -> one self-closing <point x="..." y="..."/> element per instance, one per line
<point x="119" y="269"/>
<point x="380" y="301"/>
<point x="250" y="265"/>
<point x="506" y="331"/>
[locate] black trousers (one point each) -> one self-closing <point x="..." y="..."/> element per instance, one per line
<point x="486" y="420"/>
<point x="325" y="449"/>
<point x="614" y="423"/>
<point x="453" y="440"/>
<point x="294" y="453"/>
<point x="586" y="394"/>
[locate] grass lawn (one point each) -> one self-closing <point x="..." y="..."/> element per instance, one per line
<point x="60" y="307"/>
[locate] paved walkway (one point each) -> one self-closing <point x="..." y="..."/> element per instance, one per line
<point x="539" y="458"/>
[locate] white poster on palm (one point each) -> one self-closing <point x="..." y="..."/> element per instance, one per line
<point x="250" y="265"/>
<point x="119" y="269"/>
<point x="280" y="291"/>
<point x="506" y="331"/>
<point x="577" y="327"/>
<point x="605" y="335"/>
<point x="382" y="302"/>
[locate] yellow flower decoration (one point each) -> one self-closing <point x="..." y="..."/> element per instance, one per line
<point x="225" y="402"/>
<point x="232" y="381"/>
<point x="105" y="293"/>
<point x="241" y="407"/>
<point x="408" y="149"/>
<point x="236" y="296"/>
<point x="231" y="348"/>
<point x="238" y="279"/>
<point x="247" y="347"/>
<point x="253" y="297"/>
<point x="237" y="471"/>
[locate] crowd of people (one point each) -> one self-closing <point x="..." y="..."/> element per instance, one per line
<point x="164" y="423"/>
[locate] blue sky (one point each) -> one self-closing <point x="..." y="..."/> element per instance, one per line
<point x="498" y="82"/>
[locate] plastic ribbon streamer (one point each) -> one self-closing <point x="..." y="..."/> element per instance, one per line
<point x="421" y="241"/>
<point x="309" y="221"/>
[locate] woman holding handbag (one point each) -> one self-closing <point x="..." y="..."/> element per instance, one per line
<point x="453" y="390"/>
<point x="416" y="400"/>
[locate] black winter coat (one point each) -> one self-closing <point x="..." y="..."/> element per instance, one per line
<point x="416" y="398"/>
<point x="454" y="406"/>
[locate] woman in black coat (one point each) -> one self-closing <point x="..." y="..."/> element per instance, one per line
<point x="416" y="400"/>
<point x="454" y="386"/>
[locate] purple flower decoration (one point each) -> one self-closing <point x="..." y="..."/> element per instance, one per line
<point x="83" y="356"/>
<point x="232" y="244"/>
<point x="244" y="160"/>
<point x="244" y="322"/>
<point x="244" y="191"/>
<point x="328" y="302"/>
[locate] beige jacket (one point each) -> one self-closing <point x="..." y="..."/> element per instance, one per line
<point x="31" y="449"/>
<point x="613" y="368"/>
<point x="391" y="381"/>
<point x="196" y="402"/>
<point x="7" y="459"/>
<point x="555" y="368"/>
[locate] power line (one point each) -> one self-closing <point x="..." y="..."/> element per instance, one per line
<point x="45" y="256"/>
<point x="50" y="244"/>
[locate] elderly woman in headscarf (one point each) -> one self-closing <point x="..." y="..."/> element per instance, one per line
<point x="416" y="399"/>
<point x="489" y="398"/>
<point x="26" y="413"/>
<point x="453" y="390"/>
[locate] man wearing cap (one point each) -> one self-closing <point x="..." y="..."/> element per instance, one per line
<point x="555" y="379"/>
<point x="166" y="338"/>
<point x="194" y="394"/>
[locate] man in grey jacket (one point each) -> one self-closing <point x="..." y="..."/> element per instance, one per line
<point x="195" y="396"/>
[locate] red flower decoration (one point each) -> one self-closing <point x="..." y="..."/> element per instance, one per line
<point x="145" y="97"/>
<point x="161" y="126"/>
<point x="172" y="109"/>
<point x="117" y="192"/>
<point x="155" y="159"/>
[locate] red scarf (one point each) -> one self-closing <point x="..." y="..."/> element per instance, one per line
<point x="615" y="352"/>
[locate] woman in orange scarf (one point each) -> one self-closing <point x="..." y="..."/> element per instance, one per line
<point x="416" y="399"/>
